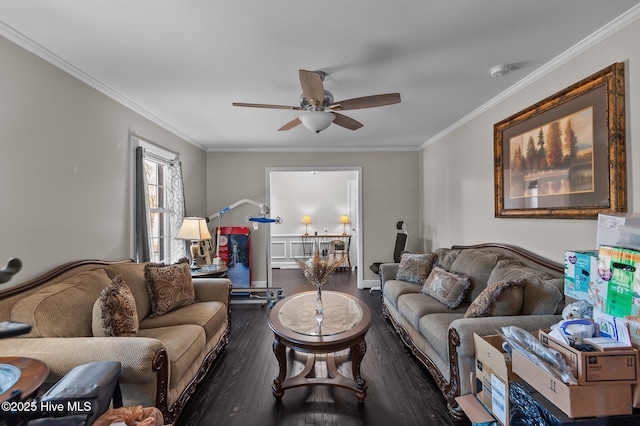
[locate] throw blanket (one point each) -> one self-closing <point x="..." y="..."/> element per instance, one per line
<point x="131" y="416"/>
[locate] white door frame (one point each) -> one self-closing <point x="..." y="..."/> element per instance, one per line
<point x="358" y="171"/>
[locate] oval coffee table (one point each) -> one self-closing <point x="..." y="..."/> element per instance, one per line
<point x="344" y="325"/>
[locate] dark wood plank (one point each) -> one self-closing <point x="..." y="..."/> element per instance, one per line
<point x="237" y="391"/>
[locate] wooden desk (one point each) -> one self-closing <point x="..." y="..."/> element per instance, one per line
<point x="33" y="374"/>
<point x="334" y="246"/>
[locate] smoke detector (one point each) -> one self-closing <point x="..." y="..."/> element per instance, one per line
<point x="500" y="70"/>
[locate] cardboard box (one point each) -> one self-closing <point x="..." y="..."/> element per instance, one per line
<point x="629" y="237"/>
<point x="595" y="368"/>
<point x="581" y="278"/>
<point x="528" y="407"/>
<point x="493" y="373"/>
<point x="608" y="231"/>
<point x="575" y="401"/>
<point x="475" y="411"/>
<point x="620" y="269"/>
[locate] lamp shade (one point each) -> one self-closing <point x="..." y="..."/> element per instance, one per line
<point x="306" y="220"/>
<point x="344" y="219"/>
<point x="316" y="121"/>
<point x="194" y="229"/>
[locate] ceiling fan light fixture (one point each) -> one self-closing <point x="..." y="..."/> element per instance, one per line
<point x="317" y="121"/>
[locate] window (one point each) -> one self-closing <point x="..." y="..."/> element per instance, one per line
<point x="159" y="204"/>
<point x="155" y="172"/>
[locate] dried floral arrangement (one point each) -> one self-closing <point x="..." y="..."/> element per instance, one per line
<point x="317" y="271"/>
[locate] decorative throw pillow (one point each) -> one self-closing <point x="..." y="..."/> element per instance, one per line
<point x="447" y="287"/>
<point x="115" y="313"/>
<point x="498" y="299"/>
<point x="170" y="286"/>
<point x="414" y="267"/>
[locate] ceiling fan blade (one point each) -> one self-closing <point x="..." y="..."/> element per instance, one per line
<point x="366" y="102"/>
<point x="346" y="122"/>
<point x="290" y="125"/>
<point x="312" y="87"/>
<point x="241" y="104"/>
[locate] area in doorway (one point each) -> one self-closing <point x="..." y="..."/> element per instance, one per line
<point x="319" y="200"/>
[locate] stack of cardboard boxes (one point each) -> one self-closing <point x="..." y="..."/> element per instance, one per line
<point x="608" y="378"/>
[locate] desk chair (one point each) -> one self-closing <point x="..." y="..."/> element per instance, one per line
<point x="338" y="250"/>
<point x="401" y="245"/>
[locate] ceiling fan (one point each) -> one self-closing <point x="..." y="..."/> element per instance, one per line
<point x="319" y="108"/>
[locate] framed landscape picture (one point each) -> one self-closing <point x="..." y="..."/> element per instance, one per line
<point x="564" y="157"/>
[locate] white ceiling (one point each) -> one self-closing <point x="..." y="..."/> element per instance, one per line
<point x="182" y="63"/>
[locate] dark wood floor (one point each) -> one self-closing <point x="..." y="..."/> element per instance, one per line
<point x="237" y="390"/>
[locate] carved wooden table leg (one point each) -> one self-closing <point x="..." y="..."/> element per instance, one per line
<point x="357" y="354"/>
<point x="280" y="352"/>
<point x="350" y="319"/>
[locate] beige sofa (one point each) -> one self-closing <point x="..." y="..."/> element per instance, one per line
<point x="161" y="365"/>
<point x="440" y="337"/>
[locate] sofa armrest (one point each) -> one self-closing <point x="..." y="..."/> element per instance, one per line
<point x="212" y="290"/>
<point x="388" y="272"/>
<point x="61" y="354"/>
<point x="485" y="326"/>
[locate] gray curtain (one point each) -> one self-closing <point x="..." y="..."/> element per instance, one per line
<point x="142" y="225"/>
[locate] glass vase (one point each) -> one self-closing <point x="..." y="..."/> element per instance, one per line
<point x="319" y="306"/>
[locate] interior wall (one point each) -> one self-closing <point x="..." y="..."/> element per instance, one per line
<point x="389" y="186"/>
<point x="457" y="204"/>
<point x="65" y="167"/>
<point x="321" y="195"/>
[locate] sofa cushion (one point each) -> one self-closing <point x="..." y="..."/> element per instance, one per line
<point x="446" y="287"/>
<point x="208" y="315"/>
<point x="435" y="329"/>
<point x="133" y="275"/>
<point x="446" y="257"/>
<point x="185" y="346"/>
<point x="413" y="306"/>
<point x="114" y="313"/>
<point x="393" y="289"/>
<point x="543" y="294"/>
<point x="478" y="266"/>
<point x="415" y="267"/>
<point x="170" y="286"/>
<point x="498" y="299"/>
<point x="72" y="298"/>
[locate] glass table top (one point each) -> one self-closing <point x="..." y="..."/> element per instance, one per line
<point x="341" y="313"/>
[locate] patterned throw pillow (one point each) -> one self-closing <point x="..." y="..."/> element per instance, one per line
<point x="114" y="313"/>
<point x="501" y="298"/>
<point x="170" y="286"/>
<point x="446" y="287"/>
<point x="415" y="268"/>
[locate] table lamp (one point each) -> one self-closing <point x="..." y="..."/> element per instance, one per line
<point x="307" y="221"/>
<point x="194" y="229"/>
<point x="344" y="220"/>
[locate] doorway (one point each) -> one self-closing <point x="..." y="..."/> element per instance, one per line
<point x="324" y="194"/>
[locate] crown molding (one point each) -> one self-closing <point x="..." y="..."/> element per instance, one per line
<point x="622" y="21"/>
<point x="26" y="43"/>
<point x="612" y="27"/>
<point x="317" y="149"/>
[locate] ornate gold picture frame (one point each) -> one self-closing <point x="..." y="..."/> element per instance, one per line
<point x="565" y="156"/>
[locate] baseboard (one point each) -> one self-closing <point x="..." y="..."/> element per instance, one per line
<point x="370" y="283"/>
<point x="288" y="265"/>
